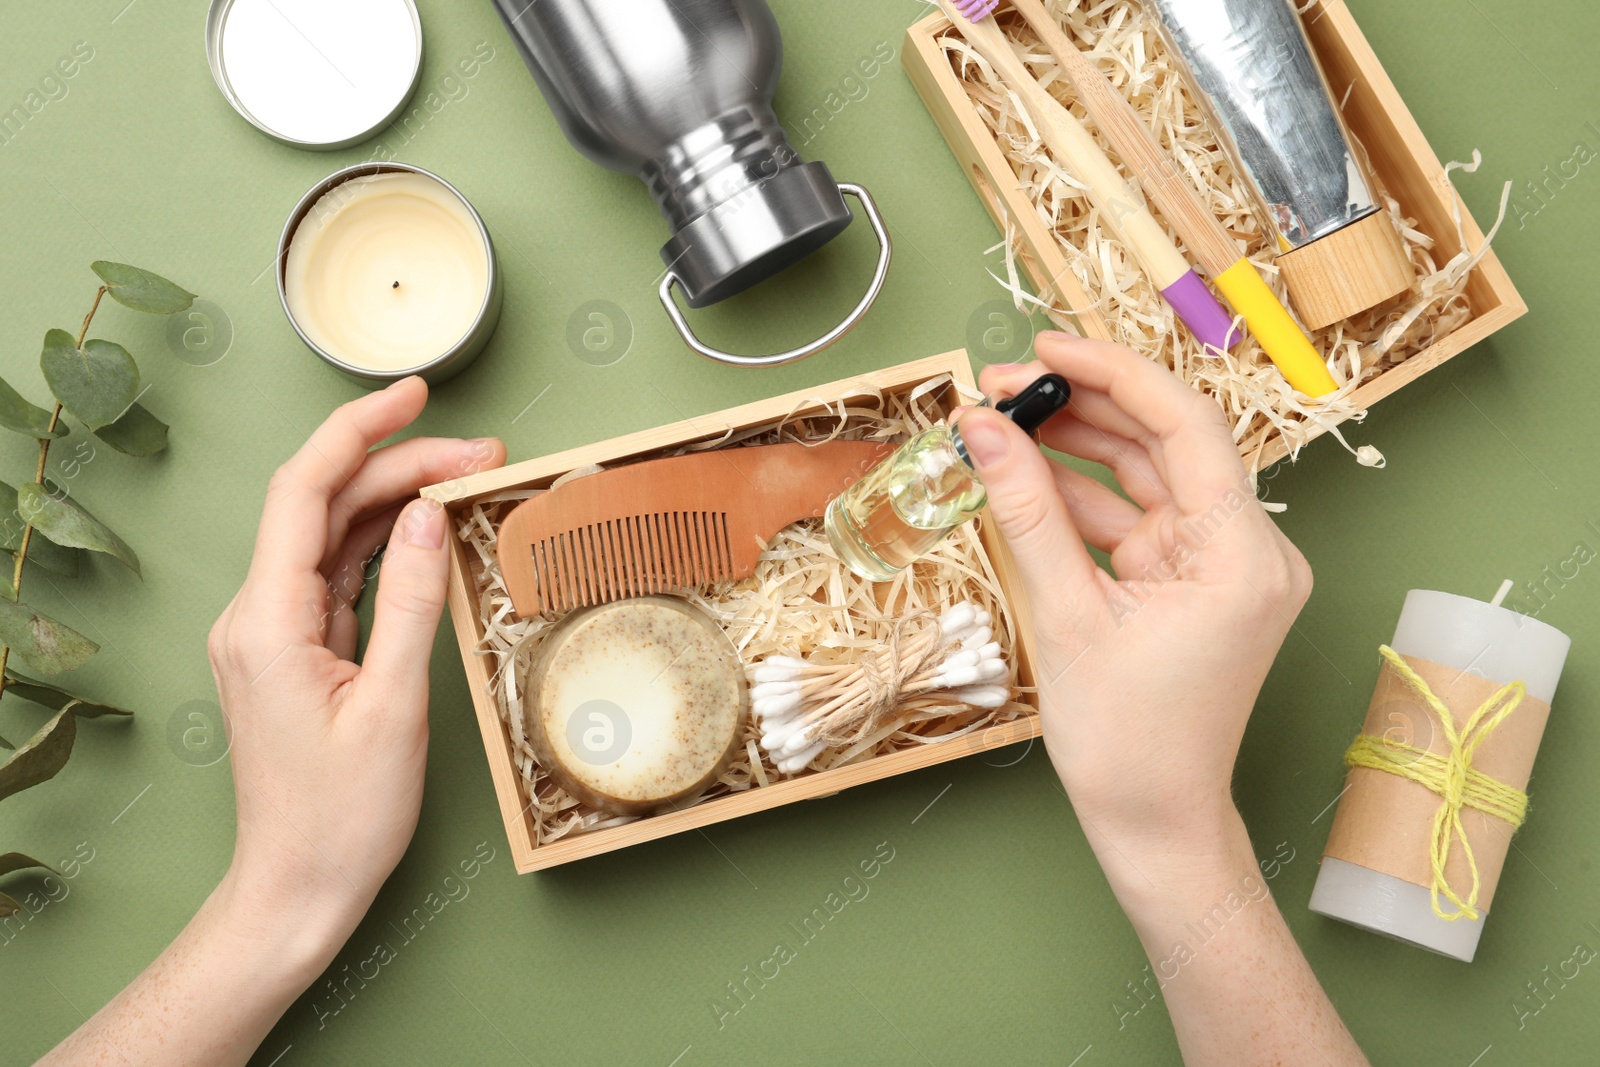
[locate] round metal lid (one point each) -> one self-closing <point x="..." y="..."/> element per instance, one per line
<point x="315" y="74"/>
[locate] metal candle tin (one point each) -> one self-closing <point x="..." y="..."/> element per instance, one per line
<point x="447" y="364"/>
<point x="336" y="76"/>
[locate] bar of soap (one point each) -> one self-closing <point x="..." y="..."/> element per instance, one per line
<point x="636" y="705"/>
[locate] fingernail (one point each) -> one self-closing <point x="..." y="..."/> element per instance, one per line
<point x="1004" y="366"/>
<point x="1056" y="335"/>
<point x="986" y="442"/>
<point x="423" y="524"/>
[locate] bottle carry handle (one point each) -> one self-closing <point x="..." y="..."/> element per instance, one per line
<point x="776" y="358"/>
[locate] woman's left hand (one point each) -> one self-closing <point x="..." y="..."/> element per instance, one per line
<point x="328" y="755"/>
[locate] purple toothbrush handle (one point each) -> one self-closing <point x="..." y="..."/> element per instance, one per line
<point x="1207" y="320"/>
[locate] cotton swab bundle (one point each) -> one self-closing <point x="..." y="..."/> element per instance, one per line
<point x="804" y="707"/>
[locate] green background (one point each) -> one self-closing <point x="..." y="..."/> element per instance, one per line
<point x="991" y="936"/>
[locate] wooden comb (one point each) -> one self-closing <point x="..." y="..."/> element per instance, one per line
<point x="668" y="524"/>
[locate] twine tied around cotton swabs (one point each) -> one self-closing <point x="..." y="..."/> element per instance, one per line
<point x="804" y="707"/>
<point x="1451" y="776"/>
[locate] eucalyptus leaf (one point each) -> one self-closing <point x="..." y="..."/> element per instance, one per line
<point x="96" y="383"/>
<point x="136" y="433"/>
<point x="16" y="861"/>
<point x="45" y="754"/>
<point x="8" y="905"/>
<point x="20" y="685"/>
<point x="41" y="550"/>
<point x="60" y="519"/>
<point x="45" y="645"/>
<point x="11" y="524"/>
<point x="19" y="413"/>
<point x="141" y="290"/>
<point x="61" y="559"/>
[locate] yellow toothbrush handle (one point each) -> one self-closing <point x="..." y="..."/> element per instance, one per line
<point x="1284" y="342"/>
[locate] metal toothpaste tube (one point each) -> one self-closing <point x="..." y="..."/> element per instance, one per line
<point x="1253" y="70"/>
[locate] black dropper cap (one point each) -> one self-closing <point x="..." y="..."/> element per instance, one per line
<point x="1029" y="409"/>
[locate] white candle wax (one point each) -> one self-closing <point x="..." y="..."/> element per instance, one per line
<point x="1483" y="640"/>
<point x="1480" y="639"/>
<point x="387" y="271"/>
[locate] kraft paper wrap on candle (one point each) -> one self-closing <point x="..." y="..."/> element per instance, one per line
<point x="1385" y="821"/>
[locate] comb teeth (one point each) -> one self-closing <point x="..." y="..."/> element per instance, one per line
<point x="975" y="9"/>
<point x="631" y="556"/>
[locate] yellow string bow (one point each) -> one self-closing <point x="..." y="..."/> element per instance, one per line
<point x="1450" y="776"/>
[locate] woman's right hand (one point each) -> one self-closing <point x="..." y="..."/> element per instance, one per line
<point x="1146" y="679"/>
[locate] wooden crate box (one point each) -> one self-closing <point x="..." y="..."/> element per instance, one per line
<point x="538" y="473"/>
<point x="1399" y="153"/>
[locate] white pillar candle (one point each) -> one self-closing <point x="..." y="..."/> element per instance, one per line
<point x="388" y="272"/>
<point x="1479" y="639"/>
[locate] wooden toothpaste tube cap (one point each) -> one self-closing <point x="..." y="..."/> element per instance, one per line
<point x="1347" y="272"/>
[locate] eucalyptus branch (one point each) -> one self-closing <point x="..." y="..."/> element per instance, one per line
<point x="38" y="478"/>
<point x="83" y="331"/>
<point x="96" y="381"/>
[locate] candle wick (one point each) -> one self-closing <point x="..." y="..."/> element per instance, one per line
<point x="396" y="285"/>
<point x="1505" y="587"/>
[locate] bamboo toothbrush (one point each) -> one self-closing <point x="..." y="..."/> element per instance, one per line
<point x="1284" y="342"/>
<point x="1121" y="209"/>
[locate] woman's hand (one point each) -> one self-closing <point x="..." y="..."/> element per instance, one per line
<point x="328" y="755"/>
<point x="1146" y="680"/>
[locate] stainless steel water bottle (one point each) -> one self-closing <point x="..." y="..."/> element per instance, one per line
<point x="679" y="93"/>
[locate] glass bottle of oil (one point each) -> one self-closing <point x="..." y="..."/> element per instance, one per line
<point x="905" y="505"/>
